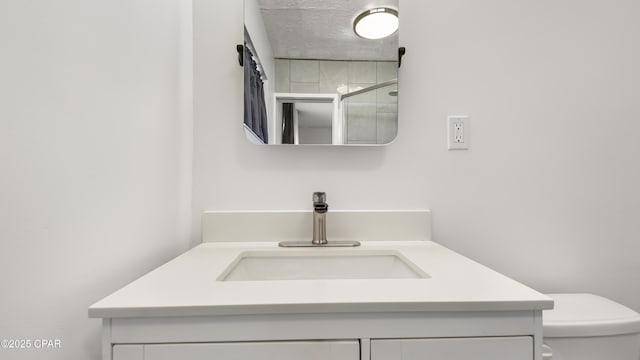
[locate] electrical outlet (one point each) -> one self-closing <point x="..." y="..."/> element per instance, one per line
<point x="458" y="132"/>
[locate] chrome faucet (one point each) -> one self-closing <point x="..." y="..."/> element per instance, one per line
<point x="320" y="209"/>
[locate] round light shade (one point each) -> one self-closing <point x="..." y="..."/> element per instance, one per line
<point x="376" y="23"/>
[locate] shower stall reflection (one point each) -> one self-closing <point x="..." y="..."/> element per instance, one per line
<point x="370" y="115"/>
<point x="365" y="116"/>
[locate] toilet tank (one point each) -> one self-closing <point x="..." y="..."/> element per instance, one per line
<point x="591" y="327"/>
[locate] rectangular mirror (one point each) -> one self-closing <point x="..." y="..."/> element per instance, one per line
<point x="309" y="78"/>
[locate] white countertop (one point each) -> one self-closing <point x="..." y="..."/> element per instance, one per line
<point x="187" y="286"/>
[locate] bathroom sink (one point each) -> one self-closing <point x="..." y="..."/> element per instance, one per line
<point x="319" y="264"/>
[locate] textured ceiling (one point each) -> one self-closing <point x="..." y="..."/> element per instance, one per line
<point x="323" y="29"/>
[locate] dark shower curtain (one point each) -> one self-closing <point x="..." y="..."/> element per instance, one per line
<point x="287" y="123"/>
<point x="255" y="109"/>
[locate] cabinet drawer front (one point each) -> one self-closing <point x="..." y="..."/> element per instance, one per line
<point x="489" y="348"/>
<point x="285" y="350"/>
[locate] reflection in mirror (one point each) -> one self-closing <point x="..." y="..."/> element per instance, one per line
<point x="307" y="118"/>
<point x="310" y="79"/>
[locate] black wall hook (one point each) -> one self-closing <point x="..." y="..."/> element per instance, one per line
<point x="240" y="50"/>
<point x="401" y="52"/>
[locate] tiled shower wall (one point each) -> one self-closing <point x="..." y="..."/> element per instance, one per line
<point x="372" y="117"/>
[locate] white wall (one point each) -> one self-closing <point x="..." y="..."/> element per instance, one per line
<point x="95" y="154"/>
<point x="549" y="192"/>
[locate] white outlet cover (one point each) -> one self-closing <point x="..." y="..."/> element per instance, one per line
<point x="456" y="140"/>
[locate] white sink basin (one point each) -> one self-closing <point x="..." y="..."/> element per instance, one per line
<point x="317" y="264"/>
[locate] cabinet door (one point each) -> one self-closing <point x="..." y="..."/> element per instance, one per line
<point x="496" y="348"/>
<point x="285" y="350"/>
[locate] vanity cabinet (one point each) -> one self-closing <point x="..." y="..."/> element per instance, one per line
<point x="460" y="310"/>
<point x="459" y="335"/>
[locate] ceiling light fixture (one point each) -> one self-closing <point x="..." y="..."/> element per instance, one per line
<point x="376" y="23"/>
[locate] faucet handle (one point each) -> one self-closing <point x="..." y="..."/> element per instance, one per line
<point x="320" y="202"/>
<point x="319" y="197"/>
